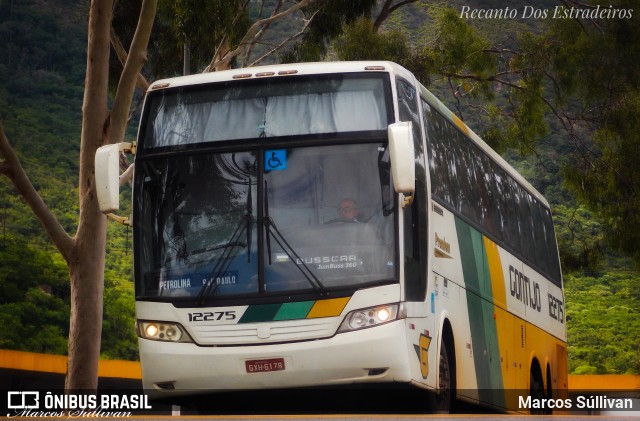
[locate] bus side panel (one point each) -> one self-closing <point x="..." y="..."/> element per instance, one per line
<point x="448" y="297"/>
<point x="505" y="323"/>
<point x="549" y="351"/>
<point x="540" y="323"/>
<point x="533" y="297"/>
<point x="482" y="315"/>
<point x="509" y="319"/>
<point x="539" y="330"/>
<point x="522" y="295"/>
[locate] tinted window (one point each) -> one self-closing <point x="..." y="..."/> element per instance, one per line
<point x="415" y="216"/>
<point x="265" y="108"/>
<point x="467" y="181"/>
<point x="442" y="163"/>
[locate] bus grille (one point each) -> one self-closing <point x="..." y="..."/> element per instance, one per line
<point x="262" y="333"/>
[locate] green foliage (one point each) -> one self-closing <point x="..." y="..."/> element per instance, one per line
<point x="603" y="323"/>
<point x="360" y="41"/>
<point x="610" y="184"/>
<point x="43" y="319"/>
<point x="327" y="25"/>
<point x="34" y="295"/>
<point x="589" y="77"/>
<point x="119" y="339"/>
<point x="39" y="322"/>
<point x="25" y="266"/>
<point x="458" y="49"/>
<point x="580" y="238"/>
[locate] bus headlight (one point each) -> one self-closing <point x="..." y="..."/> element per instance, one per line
<point x="162" y="331"/>
<point x="372" y="316"/>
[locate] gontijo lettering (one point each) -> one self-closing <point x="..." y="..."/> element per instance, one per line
<point x="523" y="289"/>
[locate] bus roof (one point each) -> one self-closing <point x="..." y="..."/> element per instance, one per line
<point x="283" y="70"/>
<point x="316" y="68"/>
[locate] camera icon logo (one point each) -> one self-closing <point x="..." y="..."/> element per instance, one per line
<point x="23" y="400"/>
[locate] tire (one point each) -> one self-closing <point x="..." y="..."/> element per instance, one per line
<point x="445" y="396"/>
<point x="549" y="394"/>
<point x="536" y="391"/>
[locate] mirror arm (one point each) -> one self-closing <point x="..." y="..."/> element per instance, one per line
<point x="121" y="219"/>
<point x="128" y="147"/>
<point x="406" y="200"/>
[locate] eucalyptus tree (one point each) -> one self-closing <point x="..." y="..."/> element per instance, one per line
<point x="84" y="251"/>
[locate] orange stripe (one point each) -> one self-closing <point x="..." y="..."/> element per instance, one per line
<point x="604" y="382"/>
<point x="328" y="308"/>
<point x="45" y="363"/>
<point x="495" y="270"/>
<point x="460" y="124"/>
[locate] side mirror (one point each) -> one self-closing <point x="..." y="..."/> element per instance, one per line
<point x="402" y="155"/>
<point x="107" y="167"/>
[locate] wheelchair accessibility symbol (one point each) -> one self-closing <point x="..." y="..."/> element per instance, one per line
<point x="275" y="160"/>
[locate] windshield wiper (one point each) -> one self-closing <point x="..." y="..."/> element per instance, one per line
<point x="222" y="264"/>
<point x="211" y="287"/>
<point x="272" y="229"/>
<point x="249" y="222"/>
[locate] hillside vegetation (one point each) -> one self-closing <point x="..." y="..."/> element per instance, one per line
<point x="42" y="59"/>
<point x="42" y="63"/>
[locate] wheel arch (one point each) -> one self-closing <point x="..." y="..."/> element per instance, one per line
<point x="535" y="370"/>
<point x="447" y="339"/>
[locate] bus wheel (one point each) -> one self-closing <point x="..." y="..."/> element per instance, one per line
<point x="536" y="389"/>
<point x="446" y="389"/>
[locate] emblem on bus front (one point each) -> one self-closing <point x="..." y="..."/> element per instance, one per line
<point x="264" y="332"/>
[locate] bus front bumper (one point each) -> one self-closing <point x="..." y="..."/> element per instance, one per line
<point x="374" y="355"/>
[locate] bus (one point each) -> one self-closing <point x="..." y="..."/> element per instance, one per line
<point x="334" y="224"/>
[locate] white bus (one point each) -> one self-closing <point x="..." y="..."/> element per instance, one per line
<point x="328" y="224"/>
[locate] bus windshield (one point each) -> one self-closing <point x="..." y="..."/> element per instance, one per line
<point x="265" y="108"/>
<point x="264" y="221"/>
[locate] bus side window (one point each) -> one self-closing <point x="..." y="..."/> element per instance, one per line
<point x="540" y="237"/>
<point x="441" y="162"/>
<point x="502" y="192"/>
<point x="466" y="177"/>
<point x="554" y="264"/>
<point x="525" y="223"/>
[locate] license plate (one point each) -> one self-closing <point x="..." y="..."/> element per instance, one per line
<point x="262" y="366"/>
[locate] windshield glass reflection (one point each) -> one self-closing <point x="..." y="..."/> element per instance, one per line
<point x="325" y="222"/>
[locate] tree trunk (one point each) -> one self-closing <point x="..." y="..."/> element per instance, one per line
<point x="87" y="285"/>
<point x="223" y="50"/>
<point x="86" y="262"/>
<point x="99" y="127"/>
